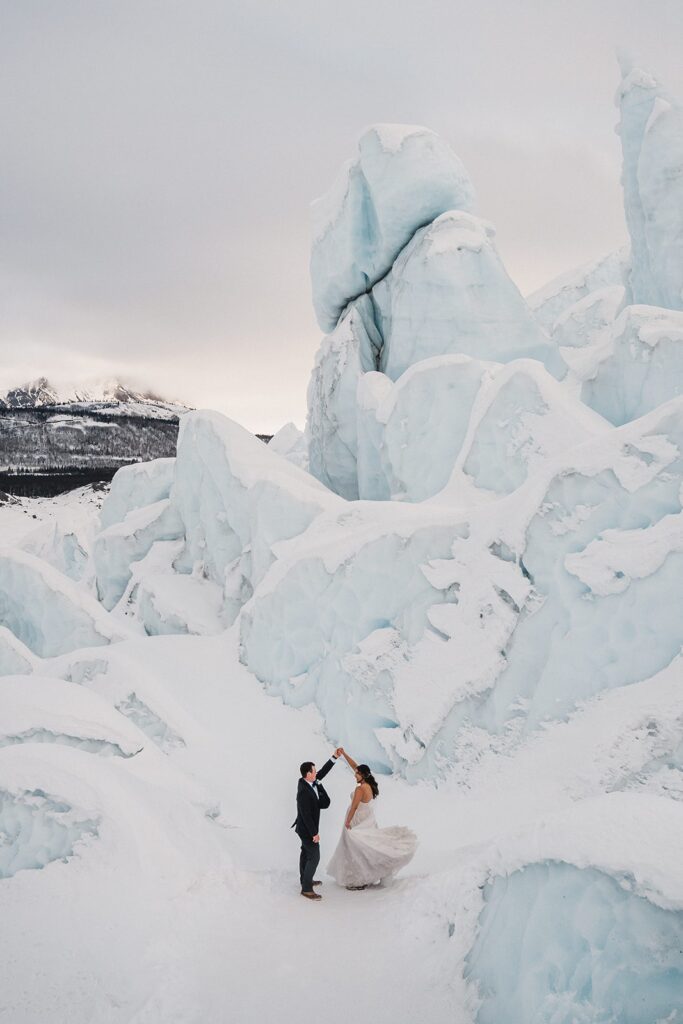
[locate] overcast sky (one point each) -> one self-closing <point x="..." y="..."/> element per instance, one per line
<point x="159" y="158"/>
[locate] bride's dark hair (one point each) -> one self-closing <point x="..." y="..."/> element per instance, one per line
<point x="368" y="777"/>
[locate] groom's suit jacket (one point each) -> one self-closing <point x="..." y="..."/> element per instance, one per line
<point x="310" y="803"/>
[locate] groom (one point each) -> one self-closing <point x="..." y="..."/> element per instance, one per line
<point x="311" y="798"/>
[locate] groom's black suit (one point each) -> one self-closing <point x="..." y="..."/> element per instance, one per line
<point x="310" y="800"/>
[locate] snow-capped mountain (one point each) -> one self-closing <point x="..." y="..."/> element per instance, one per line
<point x="53" y="438"/>
<point x="27" y="396"/>
<point x="113" y="393"/>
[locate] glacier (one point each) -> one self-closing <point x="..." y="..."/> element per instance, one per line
<point x="237" y="501"/>
<point x="554" y="299"/>
<point x="48" y="710"/>
<point x="15" y="656"/>
<point x="47" y="611"/>
<point x="577" y="946"/>
<point x="651" y="132"/>
<point x="593" y="935"/>
<point x="444" y="291"/>
<point x="448" y="292"/>
<point x="403" y="177"/>
<point x="496" y="422"/>
<point x="400" y="455"/>
<point x="509" y="572"/>
<point x="118" y="546"/>
<point x="583" y="324"/>
<point x="136" y="486"/>
<point x="36" y="830"/>
<point x="635" y="366"/>
<point x="350" y="351"/>
<point x="266" y="541"/>
<point x="466" y="570"/>
<point x="290" y="442"/>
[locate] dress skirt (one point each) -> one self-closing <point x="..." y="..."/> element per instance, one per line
<point x="366" y="854"/>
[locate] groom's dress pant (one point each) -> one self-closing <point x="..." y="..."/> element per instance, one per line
<point x="308" y="862"/>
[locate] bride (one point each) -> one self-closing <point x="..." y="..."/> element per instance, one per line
<point x="365" y="853"/>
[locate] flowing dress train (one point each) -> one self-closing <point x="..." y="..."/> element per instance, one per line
<point x="366" y="853"/>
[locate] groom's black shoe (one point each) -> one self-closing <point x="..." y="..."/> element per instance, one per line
<point x="317" y="882"/>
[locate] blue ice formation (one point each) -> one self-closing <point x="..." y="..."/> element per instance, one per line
<point x="440" y="289"/>
<point x="371" y="607"/>
<point x="399" y="453"/>
<point x="574" y="946"/>
<point x="447" y="293"/>
<point x="651" y="130"/>
<point x="584" y="323"/>
<point x="510" y="543"/>
<point x="236" y="502"/>
<point x="345" y="356"/>
<point x="136" y="487"/>
<point x="637" y="366"/>
<point x="46" y="611"/>
<point x="122" y="544"/>
<point x="403" y="177"/>
<point x="551" y="301"/>
<point x="496" y="424"/>
<point x="37" y="829"/>
<point x="150" y="723"/>
<point x="404" y="623"/>
<point x="15" y="656"/>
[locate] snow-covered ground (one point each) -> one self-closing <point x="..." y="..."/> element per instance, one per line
<point x="151" y="778"/>
<point x="211" y="905"/>
<point x="169" y="909"/>
<point x="179" y="898"/>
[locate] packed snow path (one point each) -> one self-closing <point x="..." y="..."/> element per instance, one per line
<point x="247" y="942"/>
<point x="263" y="954"/>
<point x="236" y="940"/>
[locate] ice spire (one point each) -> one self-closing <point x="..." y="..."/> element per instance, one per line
<point x="402" y="178"/>
<point x="651" y="130"/>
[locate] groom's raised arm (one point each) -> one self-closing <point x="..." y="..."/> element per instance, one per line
<point x="327" y="767"/>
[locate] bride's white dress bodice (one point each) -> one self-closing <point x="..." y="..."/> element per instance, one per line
<point x="364" y="815"/>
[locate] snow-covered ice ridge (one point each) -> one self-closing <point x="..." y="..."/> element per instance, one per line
<point x="475" y="588"/>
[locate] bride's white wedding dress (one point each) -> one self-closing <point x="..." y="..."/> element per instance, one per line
<point x="366" y="853"/>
